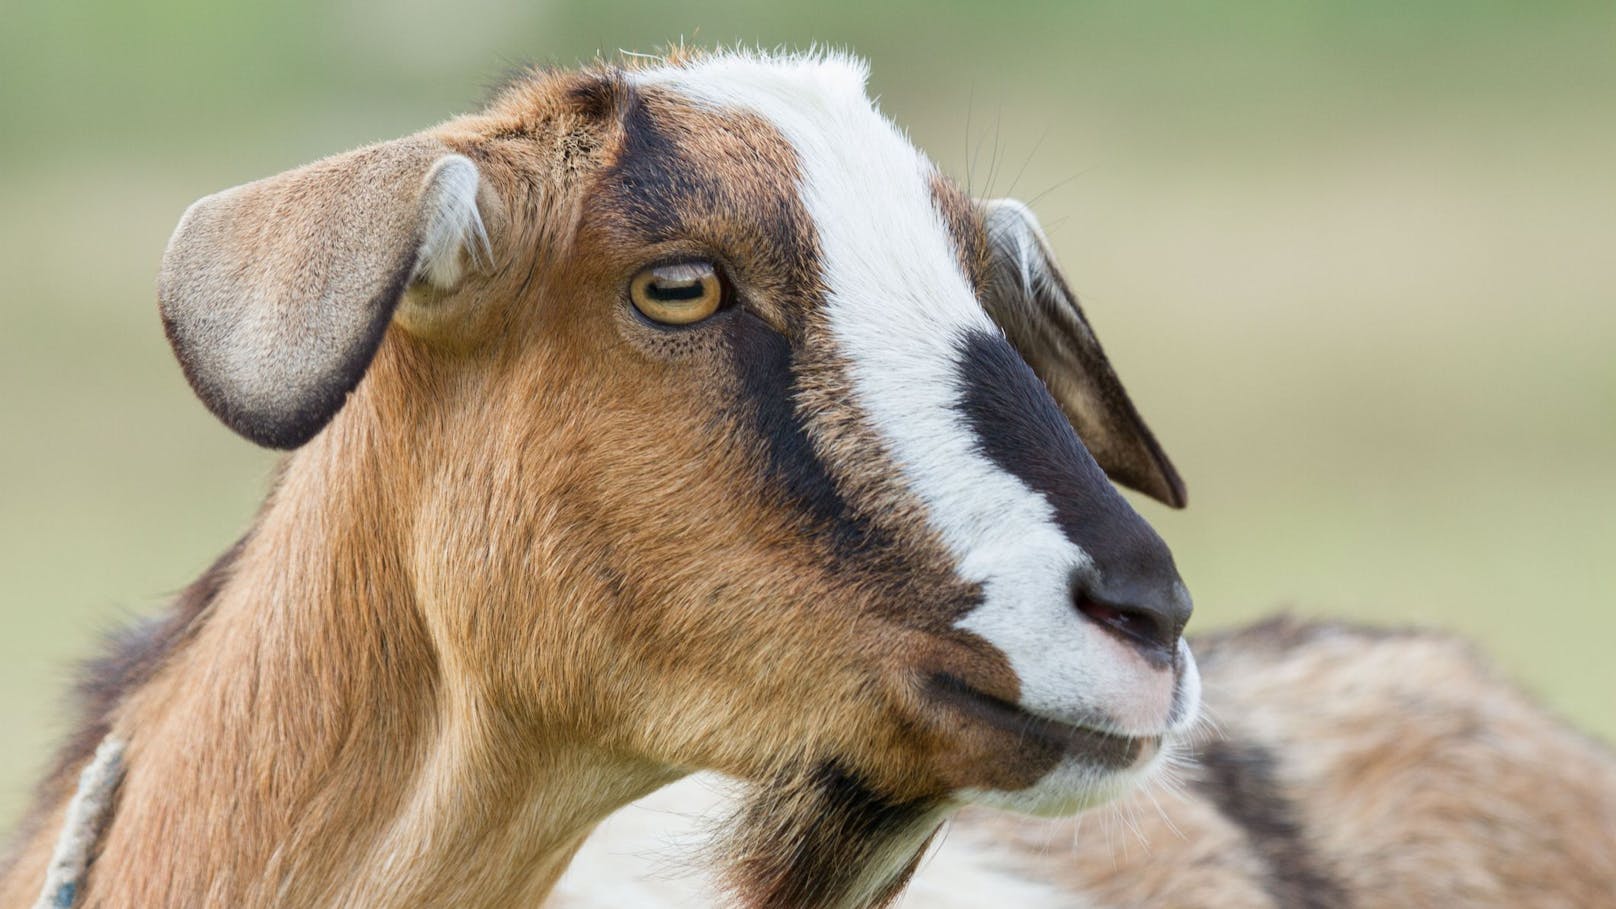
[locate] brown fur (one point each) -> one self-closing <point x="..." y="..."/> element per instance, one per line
<point x="535" y="566"/>
<point x="547" y="557"/>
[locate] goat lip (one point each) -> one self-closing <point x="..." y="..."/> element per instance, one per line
<point x="1089" y="744"/>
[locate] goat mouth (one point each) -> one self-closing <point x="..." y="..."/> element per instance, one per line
<point x="1090" y="745"/>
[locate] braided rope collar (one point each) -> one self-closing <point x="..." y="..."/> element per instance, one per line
<point x="86" y="818"/>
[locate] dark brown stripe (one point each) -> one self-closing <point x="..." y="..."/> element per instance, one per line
<point x="1016" y="424"/>
<point x="1240" y="781"/>
<point x="811" y="842"/>
<point x="762" y="359"/>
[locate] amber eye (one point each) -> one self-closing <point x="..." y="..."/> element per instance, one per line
<point x="677" y="294"/>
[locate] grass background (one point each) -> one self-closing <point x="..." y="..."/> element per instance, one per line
<point x="1357" y="262"/>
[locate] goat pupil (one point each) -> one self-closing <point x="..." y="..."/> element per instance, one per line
<point x="673" y="293"/>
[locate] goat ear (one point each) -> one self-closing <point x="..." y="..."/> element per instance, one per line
<point x="275" y="294"/>
<point x="1038" y="313"/>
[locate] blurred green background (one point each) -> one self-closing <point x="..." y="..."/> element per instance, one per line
<point x="1357" y="261"/>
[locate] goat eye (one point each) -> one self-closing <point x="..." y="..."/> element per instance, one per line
<point x="677" y="294"/>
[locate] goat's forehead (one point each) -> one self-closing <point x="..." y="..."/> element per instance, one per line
<point x="825" y="94"/>
<point x="851" y="169"/>
<point x="818" y="104"/>
<point x="890" y="228"/>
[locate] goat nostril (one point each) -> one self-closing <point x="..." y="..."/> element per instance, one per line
<point x="1152" y="630"/>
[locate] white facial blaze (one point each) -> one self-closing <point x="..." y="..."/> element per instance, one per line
<point x="898" y="304"/>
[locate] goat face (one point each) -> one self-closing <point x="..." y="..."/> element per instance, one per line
<point x="711" y="415"/>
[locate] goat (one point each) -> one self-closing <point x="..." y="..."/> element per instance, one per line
<point x="1349" y="766"/>
<point x="656" y="418"/>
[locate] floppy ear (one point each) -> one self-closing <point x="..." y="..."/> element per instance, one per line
<point x="275" y="294"/>
<point x="1029" y="299"/>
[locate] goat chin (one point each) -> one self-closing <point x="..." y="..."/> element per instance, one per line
<point x="1342" y="766"/>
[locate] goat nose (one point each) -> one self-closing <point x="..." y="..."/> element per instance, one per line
<point x="1148" y="613"/>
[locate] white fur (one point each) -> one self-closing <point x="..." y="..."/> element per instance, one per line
<point x="643" y="856"/>
<point x="898" y="304"/>
<point x="452" y="227"/>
